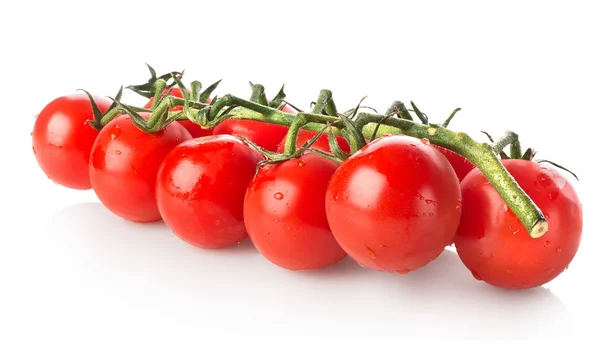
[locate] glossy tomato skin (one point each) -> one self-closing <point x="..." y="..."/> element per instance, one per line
<point x="201" y="186"/>
<point x="62" y="139"/>
<point x="195" y="130"/>
<point x="284" y="212"/>
<point x="460" y="164"/>
<point x="495" y="246"/>
<point x="263" y="134"/>
<point x="394" y="205"/>
<point x="124" y="163"/>
<point x="321" y="144"/>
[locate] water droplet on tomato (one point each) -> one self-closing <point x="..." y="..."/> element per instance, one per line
<point x="459" y="204"/>
<point x="289" y="228"/>
<point x="558" y="249"/>
<point x="276" y="220"/>
<point x="32" y="133"/>
<point x="516" y="231"/>
<point x="544" y="179"/>
<point x="403" y="271"/>
<point x="34" y="150"/>
<point x="508" y="271"/>
<point x="117" y="152"/>
<point x="430" y="214"/>
<point x="476" y="275"/>
<point x="278" y="196"/>
<point x="431" y="202"/>
<point x="547" y="244"/>
<point x="370" y="157"/>
<point x="420" y="196"/>
<point x="301" y="163"/>
<point x="370" y="252"/>
<point x="425" y="141"/>
<point x="553" y="195"/>
<point x="114" y="132"/>
<point x="383" y="246"/>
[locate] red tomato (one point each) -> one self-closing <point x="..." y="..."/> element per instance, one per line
<point x="284" y="212"/>
<point x="263" y="134"/>
<point x="201" y="186"/>
<point x="124" y="163"/>
<point x="62" y="139"/>
<point x="195" y="130"/>
<point x="394" y="205"/>
<point x="494" y="244"/>
<point x="461" y="165"/>
<point x="321" y="144"/>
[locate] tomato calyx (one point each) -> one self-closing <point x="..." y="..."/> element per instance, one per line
<point x="96" y="123"/>
<point x="512" y="139"/>
<point x="277" y="158"/>
<point x="148" y="89"/>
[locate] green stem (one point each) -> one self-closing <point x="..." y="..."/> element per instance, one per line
<point x="509" y="138"/>
<point x="322" y="100"/>
<point x="481" y="154"/>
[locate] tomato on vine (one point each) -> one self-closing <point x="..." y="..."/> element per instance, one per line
<point x="394" y="205"/>
<point x="123" y="165"/>
<point x="284" y="213"/>
<point x="494" y="244"/>
<point x="195" y="130"/>
<point x="201" y="186"/>
<point x="460" y="164"/>
<point x="62" y="139"/>
<point x="263" y="134"/>
<point x="321" y="144"/>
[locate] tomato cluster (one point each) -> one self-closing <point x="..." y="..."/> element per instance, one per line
<point x="393" y="206"/>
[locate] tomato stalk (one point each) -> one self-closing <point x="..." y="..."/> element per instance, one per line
<point x="482" y="155"/>
<point x="512" y="139"/>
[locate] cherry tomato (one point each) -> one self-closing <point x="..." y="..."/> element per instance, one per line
<point x="195" y="130"/>
<point x="124" y="163"/>
<point x="201" y="186"/>
<point x="62" y="139"/>
<point x="263" y="134"/>
<point x="494" y="244"/>
<point x="460" y="164"/>
<point x="284" y="212"/>
<point x="322" y="143"/>
<point x="394" y="205"/>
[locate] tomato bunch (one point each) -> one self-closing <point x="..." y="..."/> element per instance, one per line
<point x="393" y="205"/>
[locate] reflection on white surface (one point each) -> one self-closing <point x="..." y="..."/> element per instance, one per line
<point x="103" y="273"/>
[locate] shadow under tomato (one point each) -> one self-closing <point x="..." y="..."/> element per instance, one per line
<point x="441" y="300"/>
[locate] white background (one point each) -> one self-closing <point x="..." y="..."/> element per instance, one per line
<point x="74" y="274"/>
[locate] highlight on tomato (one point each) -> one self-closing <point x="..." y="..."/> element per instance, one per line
<point x="284" y="213"/>
<point x="394" y="205"/>
<point x="123" y="165"/>
<point x="495" y="246"/>
<point x="201" y="186"/>
<point x="195" y="130"/>
<point x="62" y="139"/>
